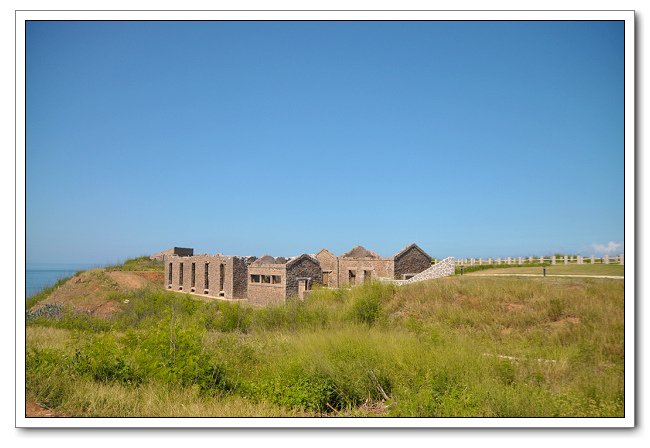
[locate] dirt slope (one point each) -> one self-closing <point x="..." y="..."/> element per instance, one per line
<point x="97" y="292"/>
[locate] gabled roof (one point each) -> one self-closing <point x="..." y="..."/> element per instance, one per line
<point x="360" y="252"/>
<point x="323" y="251"/>
<point x="408" y="248"/>
<point x="294" y="260"/>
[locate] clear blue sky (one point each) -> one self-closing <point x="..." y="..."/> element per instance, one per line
<point x="473" y="139"/>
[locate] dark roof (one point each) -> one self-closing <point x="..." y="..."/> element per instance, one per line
<point x="360" y="252"/>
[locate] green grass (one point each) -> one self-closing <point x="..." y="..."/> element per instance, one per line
<point x="428" y="349"/>
<point x="570" y="269"/>
<point x="139" y="264"/>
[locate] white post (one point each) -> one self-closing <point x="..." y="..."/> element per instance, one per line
<point x="490" y="261"/>
<point x="541" y="259"/>
<point x="579" y="259"/>
<point x="593" y="259"/>
<point x="553" y="259"/>
<point x="622" y="259"/>
<point x="480" y="261"/>
<point x="606" y="259"/>
<point x="530" y="260"/>
<point x="498" y="260"/>
<point x="566" y="260"/>
<point x="509" y="260"/>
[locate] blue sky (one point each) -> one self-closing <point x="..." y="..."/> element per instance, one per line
<point x="473" y="139"/>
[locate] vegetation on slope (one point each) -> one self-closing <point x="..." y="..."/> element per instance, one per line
<point x="460" y="346"/>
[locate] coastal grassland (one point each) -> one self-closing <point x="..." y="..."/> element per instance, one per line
<point x="459" y="346"/>
<point x="143" y="263"/>
<point x="569" y="269"/>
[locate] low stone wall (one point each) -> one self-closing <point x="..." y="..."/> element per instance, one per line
<point x="443" y="268"/>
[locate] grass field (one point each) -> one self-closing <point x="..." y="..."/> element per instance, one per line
<point x="460" y="346"/>
<point x="570" y="269"/>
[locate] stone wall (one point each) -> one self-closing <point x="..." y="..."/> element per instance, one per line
<point x="221" y="273"/>
<point x="240" y="276"/>
<point x="329" y="263"/>
<point x="303" y="266"/>
<point x="267" y="293"/>
<point x="443" y="268"/>
<point x="374" y="267"/>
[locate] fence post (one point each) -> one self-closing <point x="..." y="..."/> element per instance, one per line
<point x="593" y="259"/>
<point x="553" y="259"/>
<point x="621" y="259"/>
<point x="579" y="259"/>
<point x="490" y="261"/>
<point x="566" y="259"/>
<point x="480" y="261"/>
<point x="521" y="260"/>
<point x="541" y="259"/>
<point x="509" y="260"/>
<point x="530" y="260"/>
<point x="606" y="259"/>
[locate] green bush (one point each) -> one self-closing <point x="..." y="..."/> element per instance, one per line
<point x="367" y="301"/>
<point x="298" y="389"/>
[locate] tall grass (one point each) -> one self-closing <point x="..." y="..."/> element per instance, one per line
<point x="460" y="346"/>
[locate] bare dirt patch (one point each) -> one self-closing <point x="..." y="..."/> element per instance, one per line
<point x="128" y="280"/>
<point x="97" y="292"/>
<point x="33" y="409"/>
<point x="152" y="276"/>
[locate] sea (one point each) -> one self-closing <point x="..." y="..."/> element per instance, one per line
<point x="39" y="276"/>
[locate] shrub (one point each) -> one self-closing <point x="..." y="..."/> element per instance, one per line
<point x="298" y="389"/>
<point x="367" y="301"/>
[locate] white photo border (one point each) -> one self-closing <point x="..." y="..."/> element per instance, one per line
<point x="21" y="17"/>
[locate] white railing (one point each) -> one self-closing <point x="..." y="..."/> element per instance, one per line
<point x="552" y="259"/>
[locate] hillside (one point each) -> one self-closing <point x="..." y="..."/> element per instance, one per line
<point x="99" y="292"/>
<point x="458" y="346"/>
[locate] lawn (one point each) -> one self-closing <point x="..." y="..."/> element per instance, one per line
<point x="454" y="347"/>
<point x="559" y="269"/>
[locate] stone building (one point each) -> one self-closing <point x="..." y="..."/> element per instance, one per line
<point x="410" y="261"/>
<point x="270" y="280"/>
<point x="211" y="275"/>
<point x="360" y="264"/>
